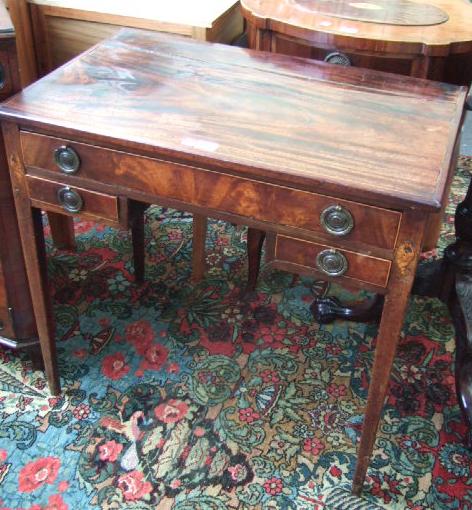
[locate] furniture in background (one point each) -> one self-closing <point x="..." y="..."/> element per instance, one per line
<point x="306" y="184"/>
<point x="64" y="28"/>
<point x="17" y="325"/>
<point x="426" y="39"/>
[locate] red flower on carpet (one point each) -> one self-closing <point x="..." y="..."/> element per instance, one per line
<point x="55" y="502"/>
<point x="173" y="368"/>
<point x="171" y="411"/>
<point x="37" y="473"/>
<point x="272" y="336"/>
<point x="337" y="390"/>
<point x="175" y="484"/>
<point x="81" y="412"/>
<point x="114" y="366"/>
<point x="63" y="486"/>
<point x="109" y="451"/>
<point x="273" y="486"/>
<point x="334" y="350"/>
<point x="335" y="471"/>
<point x="155" y="356"/>
<point x="313" y="445"/>
<point x="133" y="486"/>
<point x="248" y="415"/>
<point x="140" y="334"/>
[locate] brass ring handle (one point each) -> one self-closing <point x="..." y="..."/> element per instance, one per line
<point x="70" y="200"/>
<point x="338" y="58"/>
<point x="67" y="159"/>
<point x="331" y="262"/>
<point x="337" y="220"/>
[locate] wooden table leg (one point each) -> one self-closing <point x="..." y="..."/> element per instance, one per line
<point x="401" y="281"/>
<point x="62" y="231"/>
<point x="198" y="247"/>
<point x="255" y="240"/>
<point x="32" y="240"/>
<point x="36" y="267"/>
<point x="136" y="212"/>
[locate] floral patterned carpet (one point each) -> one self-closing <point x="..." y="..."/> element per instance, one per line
<point x="187" y="397"/>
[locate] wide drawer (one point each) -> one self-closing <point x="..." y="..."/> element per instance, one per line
<point x="213" y="190"/>
<point x="71" y="200"/>
<point x="328" y="261"/>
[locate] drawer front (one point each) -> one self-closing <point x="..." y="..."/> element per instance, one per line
<point x="357" y="266"/>
<point x="237" y="195"/>
<point x="58" y="197"/>
<point x="379" y="61"/>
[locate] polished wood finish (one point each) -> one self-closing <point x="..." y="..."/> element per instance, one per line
<point x="390" y="12"/>
<point x="277" y="204"/>
<point x="282" y="136"/>
<point x="363" y="268"/>
<point x="97" y="206"/>
<point x="307" y="28"/>
<point x="440" y="40"/>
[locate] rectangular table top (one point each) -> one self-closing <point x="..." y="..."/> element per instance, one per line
<point x="359" y="134"/>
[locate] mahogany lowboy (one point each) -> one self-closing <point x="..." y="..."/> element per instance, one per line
<point x="331" y="161"/>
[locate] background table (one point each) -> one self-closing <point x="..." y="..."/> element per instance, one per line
<point x="440" y="51"/>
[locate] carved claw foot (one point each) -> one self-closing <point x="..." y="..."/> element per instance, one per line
<point x="328" y="309"/>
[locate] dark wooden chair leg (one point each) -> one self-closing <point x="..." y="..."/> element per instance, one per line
<point x="198" y="247"/>
<point x="461" y="312"/>
<point x="34" y="352"/>
<point x="62" y="231"/>
<point x="136" y="211"/>
<point x="255" y="240"/>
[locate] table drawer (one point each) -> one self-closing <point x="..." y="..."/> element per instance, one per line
<point x="213" y="190"/>
<point x="332" y="262"/>
<point x="71" y="200"/>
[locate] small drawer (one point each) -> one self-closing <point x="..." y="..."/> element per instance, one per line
<point x="332" y="262"/>
<point x="281" y="205"/>
<point x="71" y="200"/>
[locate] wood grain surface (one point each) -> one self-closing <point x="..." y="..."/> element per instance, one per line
<point x="391" y="12"/>
<point x="354" y="132"/>
<point x="360" y="267"/>
<point x="265" y="202"/>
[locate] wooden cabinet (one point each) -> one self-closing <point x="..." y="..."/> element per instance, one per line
<point x="428" y="39"/>
<point x="17" y="326"/>
<point x="64" y="28"/>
